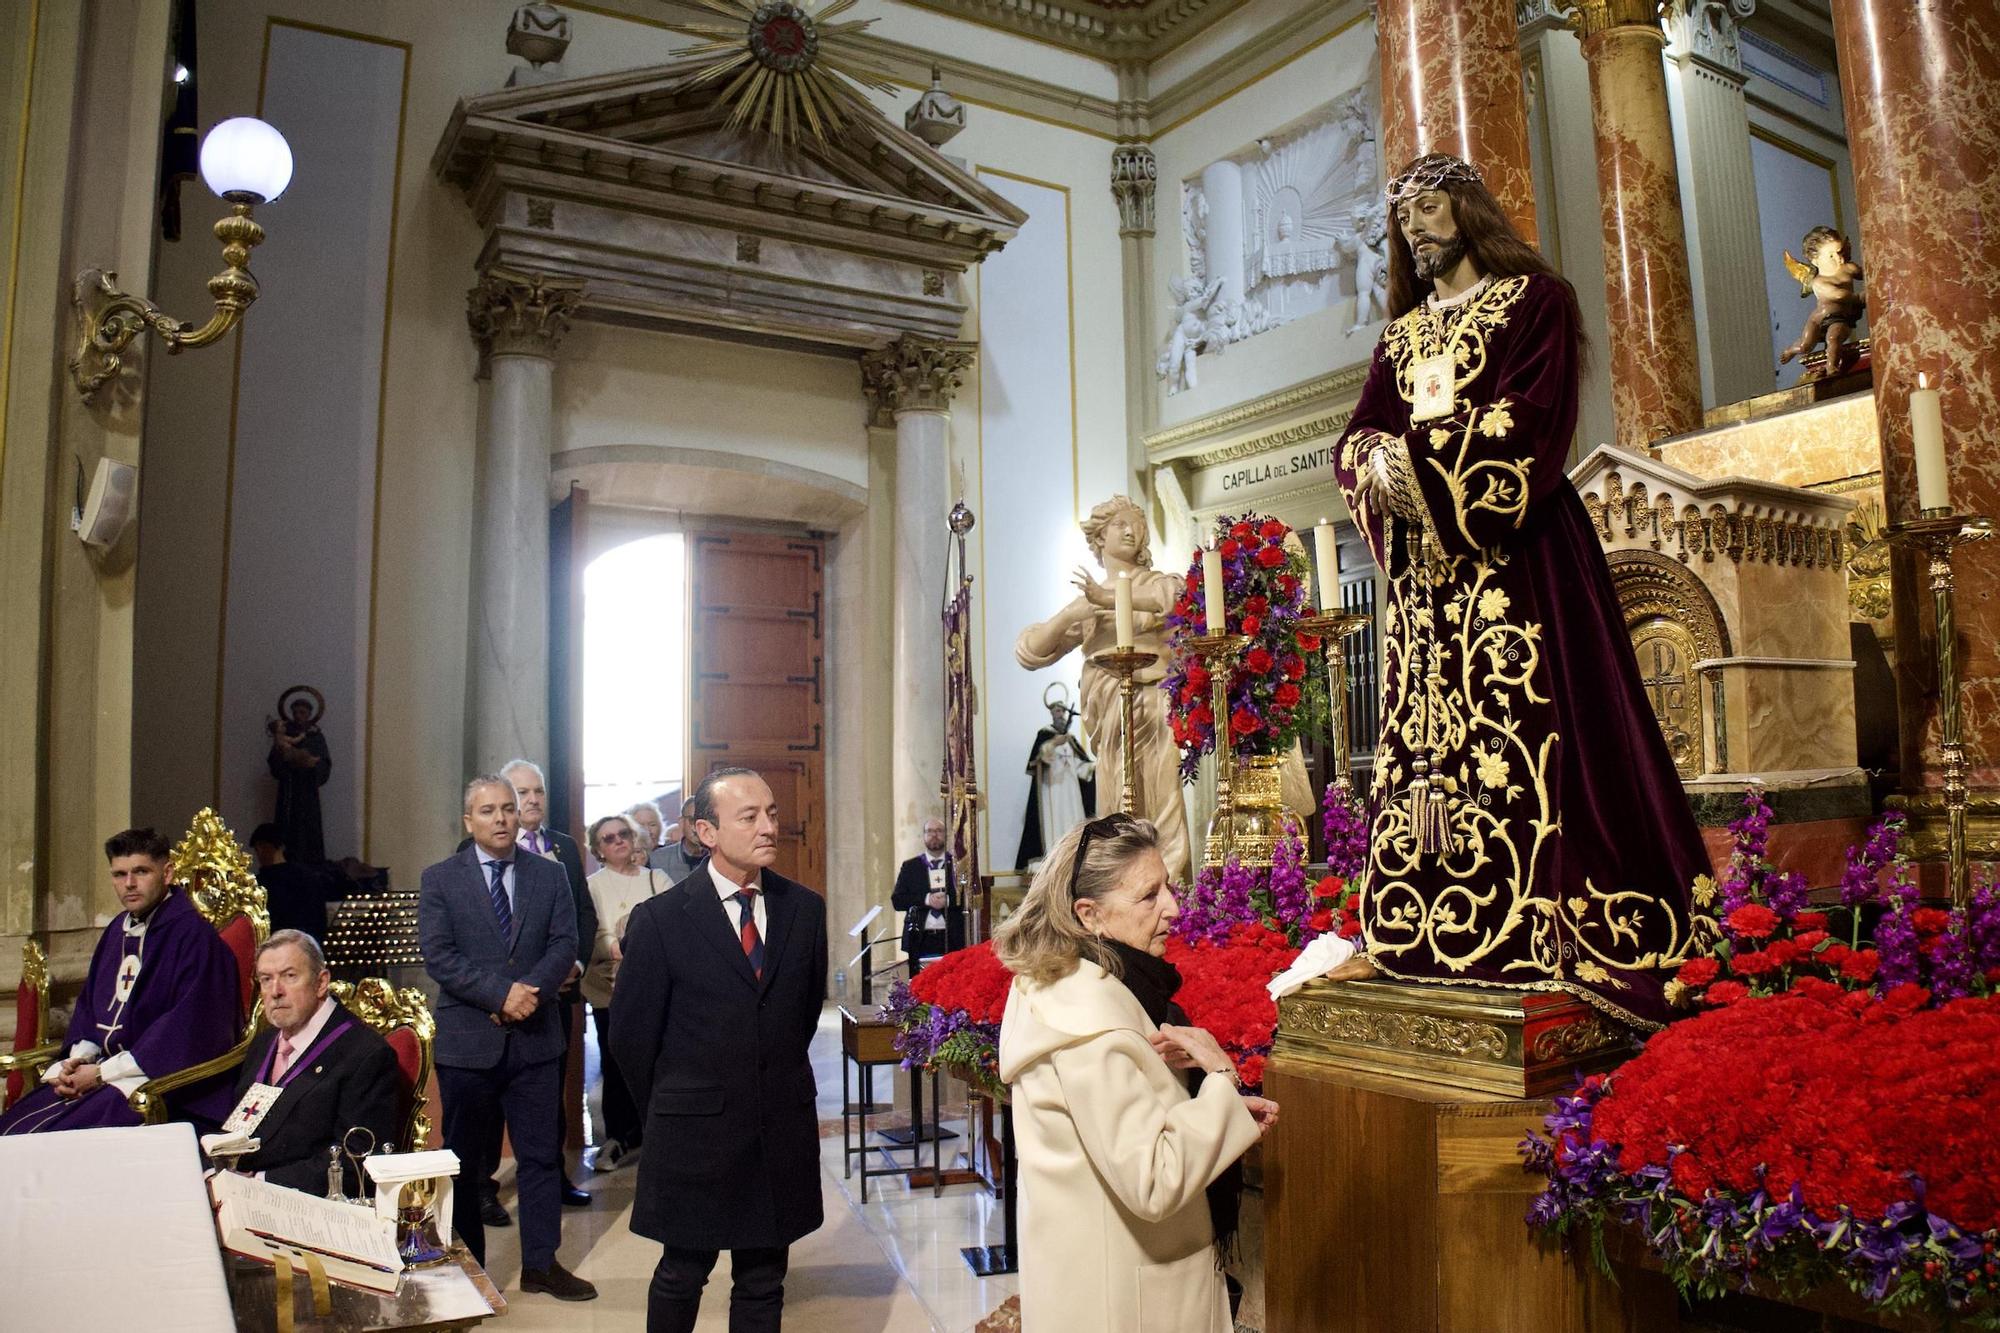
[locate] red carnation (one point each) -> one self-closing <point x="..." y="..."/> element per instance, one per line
<point x="1229" y="550"/>
<point x="1259" y="660"/>
<point x="1753" y="920"/>
<point x="1244" y="722"/>
<point x="1288" y="584"/>
<point x="1930" y="920"/>
<point x="1197" y="677"/>
<point x="1272" y="528"/>
<point x="1288" y="695"/>
<point x="1321" y="921"/>
<point x="1308" y="643"/>
<point x="1242" y="532"/>
<point x="1809" y="921"/>
<point x="1810" y="940"/>
<point x="1330" y="886"/>
<point x="1271" y="557"/>
<point x="1350" y="929"/>
<point x="1295" y="667"/>
<point x="1698" y="971"/>
<point x="1256" y="605"/>
<point x="1859" y="965"/>
<point x="1757" y="963"/>
<point x="1252" y="624"/>
<point x="1727" y="992"/>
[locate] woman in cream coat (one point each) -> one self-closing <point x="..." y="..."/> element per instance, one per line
<point x="1115" y="1155"/>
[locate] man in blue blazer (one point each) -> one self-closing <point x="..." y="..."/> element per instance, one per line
<point x="717" y="1001"/>
<point x="498" y="931"/>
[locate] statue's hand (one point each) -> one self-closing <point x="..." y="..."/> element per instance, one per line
<point x="1097" y="594"/>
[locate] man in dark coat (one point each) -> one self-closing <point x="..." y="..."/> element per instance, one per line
<point x="498" y="932"/>
<point x="717" y="1002"/>
<point x="927" y="896"/>
<point x="332" y="1071"/>
<point x="163" y="993"/>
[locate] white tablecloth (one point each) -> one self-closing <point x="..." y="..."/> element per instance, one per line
<point x="108" y="1228"/>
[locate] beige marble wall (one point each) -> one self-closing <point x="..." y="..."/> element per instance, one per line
<point x="1811" y="446"/>
<point x="1784" y="717"/>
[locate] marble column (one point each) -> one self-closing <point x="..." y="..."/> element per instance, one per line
<point x="518" y="320"/>
<point x="911" y="382"/>
<point x="1451" y="83"/>
<point x="1134" y="184"/>
<point x="1725" y="248"/>
<point x="1654" y="363"/>
<point x="1920" y="82"/>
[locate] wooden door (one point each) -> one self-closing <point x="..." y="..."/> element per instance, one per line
<point x="756" y="670"/>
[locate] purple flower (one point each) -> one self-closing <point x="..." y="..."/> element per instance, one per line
<point x="1860" y="882"/>
<point x="1952" y="971"/>
<point x="1896" y="934"/>
<point x="1345" y="824"/>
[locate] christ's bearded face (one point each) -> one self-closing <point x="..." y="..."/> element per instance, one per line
<point x="1432" y="233"/>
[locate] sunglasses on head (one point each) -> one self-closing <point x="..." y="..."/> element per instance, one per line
<point x="1109" y="826"/>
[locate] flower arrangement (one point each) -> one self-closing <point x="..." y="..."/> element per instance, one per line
<point x="1274" y="696"/>
<point x="950" y="1015"/>
<point x="1223" y="990"/>
<point x="1754" y="1140"/>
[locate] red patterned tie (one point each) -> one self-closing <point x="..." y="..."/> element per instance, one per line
<point x="753" y="943"/>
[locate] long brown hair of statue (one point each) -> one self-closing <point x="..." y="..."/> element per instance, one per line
<point x="1493" y="244"/>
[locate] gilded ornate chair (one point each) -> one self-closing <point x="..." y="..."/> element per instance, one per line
<point x="33" y="1051"/>
<point x="403" y="1017"/>
<point x="217" y="875"/>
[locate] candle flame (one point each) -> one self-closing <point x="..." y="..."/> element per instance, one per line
<point x="1923" y="380"/>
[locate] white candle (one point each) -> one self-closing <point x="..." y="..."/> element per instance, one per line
<point x="1214" y="613"/>
<point x="1121" y="601"/>
<point x="1927" y="432"/>
<point x="1327" y="551"/>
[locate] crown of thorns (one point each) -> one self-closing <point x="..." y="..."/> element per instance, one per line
<point x="1429" y="172"/>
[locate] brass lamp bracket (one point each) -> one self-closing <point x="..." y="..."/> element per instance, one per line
<point x="109" y="319"/>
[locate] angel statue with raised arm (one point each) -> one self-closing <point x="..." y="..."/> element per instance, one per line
<point x="1196" y="329"/>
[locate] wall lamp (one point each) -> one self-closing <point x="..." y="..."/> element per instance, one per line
<point x="246" y="163"/>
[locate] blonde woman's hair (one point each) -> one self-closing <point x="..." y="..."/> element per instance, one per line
<point x="1043" y="940"/>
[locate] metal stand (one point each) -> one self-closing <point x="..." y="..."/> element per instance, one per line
<point x="1938" y="533"/>
<point x="1218" y="654"/>
<point x="996" y="1260"/>
<point x="1334" y="628"/>
<point x="1126" y="664"/>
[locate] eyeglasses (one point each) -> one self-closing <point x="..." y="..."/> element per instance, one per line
<point x="614" y="835"/>
<point x="1110" y="826"/>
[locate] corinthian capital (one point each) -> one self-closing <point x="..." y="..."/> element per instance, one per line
<point x="520" y="314"/>
<point x="1593" y="17"/>
<point x="1135" y="176"/>
<point x="912" y="375"/>
<point x="1706" y="31"/>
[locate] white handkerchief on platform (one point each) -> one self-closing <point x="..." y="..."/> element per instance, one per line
<point x="1315" y="960"/>
<point x="229" y="1145"/>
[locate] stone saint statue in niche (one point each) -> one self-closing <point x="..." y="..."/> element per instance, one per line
<point x="301" y="763"/>
<point x="1830" y="274"/>
<point x="1116" y="531"/>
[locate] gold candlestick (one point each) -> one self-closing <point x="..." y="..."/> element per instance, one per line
<point x="1938" y="532"/>
<point x="1126" y="664"/>
<point x="1218" y="653"/>
<point x="1333" y="628"/>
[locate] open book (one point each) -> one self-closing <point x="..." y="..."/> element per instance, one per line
<point x="264" y="1221"/>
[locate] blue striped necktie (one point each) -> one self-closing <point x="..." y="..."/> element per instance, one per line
<point x="497" y="891"/>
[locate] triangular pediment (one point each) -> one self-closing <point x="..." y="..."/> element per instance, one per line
<point x="659" y="130"/>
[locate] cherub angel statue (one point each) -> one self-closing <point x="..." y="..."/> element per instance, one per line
<point x="1830" y="274"/>
<point x="1199" y="324"/>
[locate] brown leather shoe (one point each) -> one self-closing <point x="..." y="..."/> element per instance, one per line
<point x="559" y="1282"/>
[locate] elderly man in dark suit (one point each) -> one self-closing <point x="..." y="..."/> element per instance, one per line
<point x="717" y="1001"/>
<point x="498" y="930"/>
<point x="333" y="1072"/>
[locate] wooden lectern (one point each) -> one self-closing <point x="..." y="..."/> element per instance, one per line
<point x="1394" y="1192"/>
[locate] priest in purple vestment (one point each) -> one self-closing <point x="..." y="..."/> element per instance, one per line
<point x="162" y="994"/>
<point x="1529" y="830"/>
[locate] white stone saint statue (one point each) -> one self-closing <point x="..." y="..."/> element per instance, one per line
<point x="1116" y="531"/>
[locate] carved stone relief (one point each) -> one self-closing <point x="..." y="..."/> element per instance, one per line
<point x="1289" y="226"/>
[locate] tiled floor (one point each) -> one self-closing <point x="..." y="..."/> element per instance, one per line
<point x="890" y="1266"/>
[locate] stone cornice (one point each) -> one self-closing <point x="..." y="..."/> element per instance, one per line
<point x="1677" y="514"/>
<point x="1276" y="45"/>
<point x="1316" y="428"/>
<point x="1143" y="30"/>
<point x="1189" y="437"/>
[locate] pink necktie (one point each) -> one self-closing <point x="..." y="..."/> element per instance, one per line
<point x="284" y="1060"/>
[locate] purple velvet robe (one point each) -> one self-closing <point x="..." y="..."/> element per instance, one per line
<point x="184" y="1008"/>
<point x="1563" y="850"/>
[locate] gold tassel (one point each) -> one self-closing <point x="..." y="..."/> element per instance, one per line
<point x="1420" y="793"/>
<point x="1434" y="834"/>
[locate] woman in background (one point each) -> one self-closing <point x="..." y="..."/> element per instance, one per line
<point x="624" y="882"/>
<point x="1116" y="1158"/>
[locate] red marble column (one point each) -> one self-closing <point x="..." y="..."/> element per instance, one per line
<point x="1920" y="80"/>
<point x="1655" y="365"/>
<point x="1451" y="83"/>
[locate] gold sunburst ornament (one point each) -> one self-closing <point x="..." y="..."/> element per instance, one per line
<point x="791" y="71"/>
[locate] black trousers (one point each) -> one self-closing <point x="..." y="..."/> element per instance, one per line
<point x="756" y="1289"/>
<point x="478" y="1105"/>
<point x="621" y="1114"/>
<point x="491" y="1163"/>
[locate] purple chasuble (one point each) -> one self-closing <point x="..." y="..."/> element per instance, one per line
<point x="1528" y="828"/>
<point x="183" y="1009"/>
